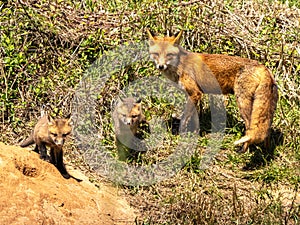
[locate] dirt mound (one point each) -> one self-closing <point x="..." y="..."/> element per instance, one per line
<point x="34" y="192"/>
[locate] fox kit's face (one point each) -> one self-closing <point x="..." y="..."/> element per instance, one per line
<point x="59" y="129"/>
<point x="129" y="112"/>
<point x="164" y="51"/>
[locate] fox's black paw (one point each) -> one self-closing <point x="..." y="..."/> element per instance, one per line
<point x="45" y="158"/>
<point x="66" y="175"/>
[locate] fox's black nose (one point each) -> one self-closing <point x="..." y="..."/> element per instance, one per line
<point x="161" y="67"/>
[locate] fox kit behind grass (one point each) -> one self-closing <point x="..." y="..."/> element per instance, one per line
<point x="52" y="133"/>
<point x="252" y="83"/>
<point x="127" y="118"/>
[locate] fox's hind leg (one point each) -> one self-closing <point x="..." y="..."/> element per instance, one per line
<point x="267" y="141"/>
<point x="245" y="108"/>
<point x="264" y="106"/>
<point x="245" y="103"/>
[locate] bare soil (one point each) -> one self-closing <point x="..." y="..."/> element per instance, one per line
<point x="34" y="192"/>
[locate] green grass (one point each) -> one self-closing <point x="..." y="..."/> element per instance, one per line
<point x="46" y="47"/>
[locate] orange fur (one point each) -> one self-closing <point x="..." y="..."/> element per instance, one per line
<point x="127" y="117"/>
<point x="52" y="133"/>
<point x="251" y="82"/>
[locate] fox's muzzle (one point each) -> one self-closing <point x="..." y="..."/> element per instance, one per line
<point x="59" y="143"/>
<point x="161" y="67"/>
<point x="127" y="121"/>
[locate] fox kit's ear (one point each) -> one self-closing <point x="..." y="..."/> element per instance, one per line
<point x="177" y="38"/>
<point x="50" y="120"/>
<point x="121" y="99"/>
<point x="68" y="116"/>
<point x="70" y="122"/>
<point x="139" y="100"/>
<point x="138" y="103"/>
<point x="69" y="119"/>
<point x="150" y="37"/>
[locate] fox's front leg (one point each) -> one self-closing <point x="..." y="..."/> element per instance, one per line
<point x="41" y="147"/>
<point x="52" y="156"/>
<point x="36" y="149"/>
<point x="190" y="117"/>
<point x="57" y="154"/>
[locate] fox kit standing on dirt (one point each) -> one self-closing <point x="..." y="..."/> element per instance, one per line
<point x="127" y="117"/>
<point x="252" y="83"/>
<point x="52" y="133"/>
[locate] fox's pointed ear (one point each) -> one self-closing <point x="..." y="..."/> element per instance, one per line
<point x="178" y="37"/>
<point x="70" y="122"/>
<point x="68" y="116"/>
<point x="69" y="119"/>
<point x="150" y="34"/>
<point x="138" y="103"/>
<point x="150" y="37"/>
<point x="50" y="120"/>
<point x="139" y="100"/>
<point x="121" y="99"/>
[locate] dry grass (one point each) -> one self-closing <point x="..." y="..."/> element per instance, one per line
<point x="47" y="46"/>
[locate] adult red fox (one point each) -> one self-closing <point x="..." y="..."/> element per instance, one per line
<point x="252" y="83"/>
<point x="52" y="133"/>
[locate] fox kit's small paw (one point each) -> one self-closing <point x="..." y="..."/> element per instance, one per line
<point x="66" y="175"/>
<point x="45" y="158"/>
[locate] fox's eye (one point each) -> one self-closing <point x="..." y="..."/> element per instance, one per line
<point x="65" y="135"/>
<point x="154" y="54"/>
<point x="170" y="55"/>
<point x="54" y="134"/>
<point x="134" y="116"/>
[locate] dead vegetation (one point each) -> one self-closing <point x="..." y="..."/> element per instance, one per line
<point x="45" y="48"/>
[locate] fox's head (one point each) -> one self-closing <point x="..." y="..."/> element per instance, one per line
<point x="129" y="111"/>
<point x="59" y="129"/>
<point x="164" y="51"/>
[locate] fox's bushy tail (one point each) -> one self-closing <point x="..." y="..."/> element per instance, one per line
<point x="27" y="142"/>
<point x="263" y="108"/>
